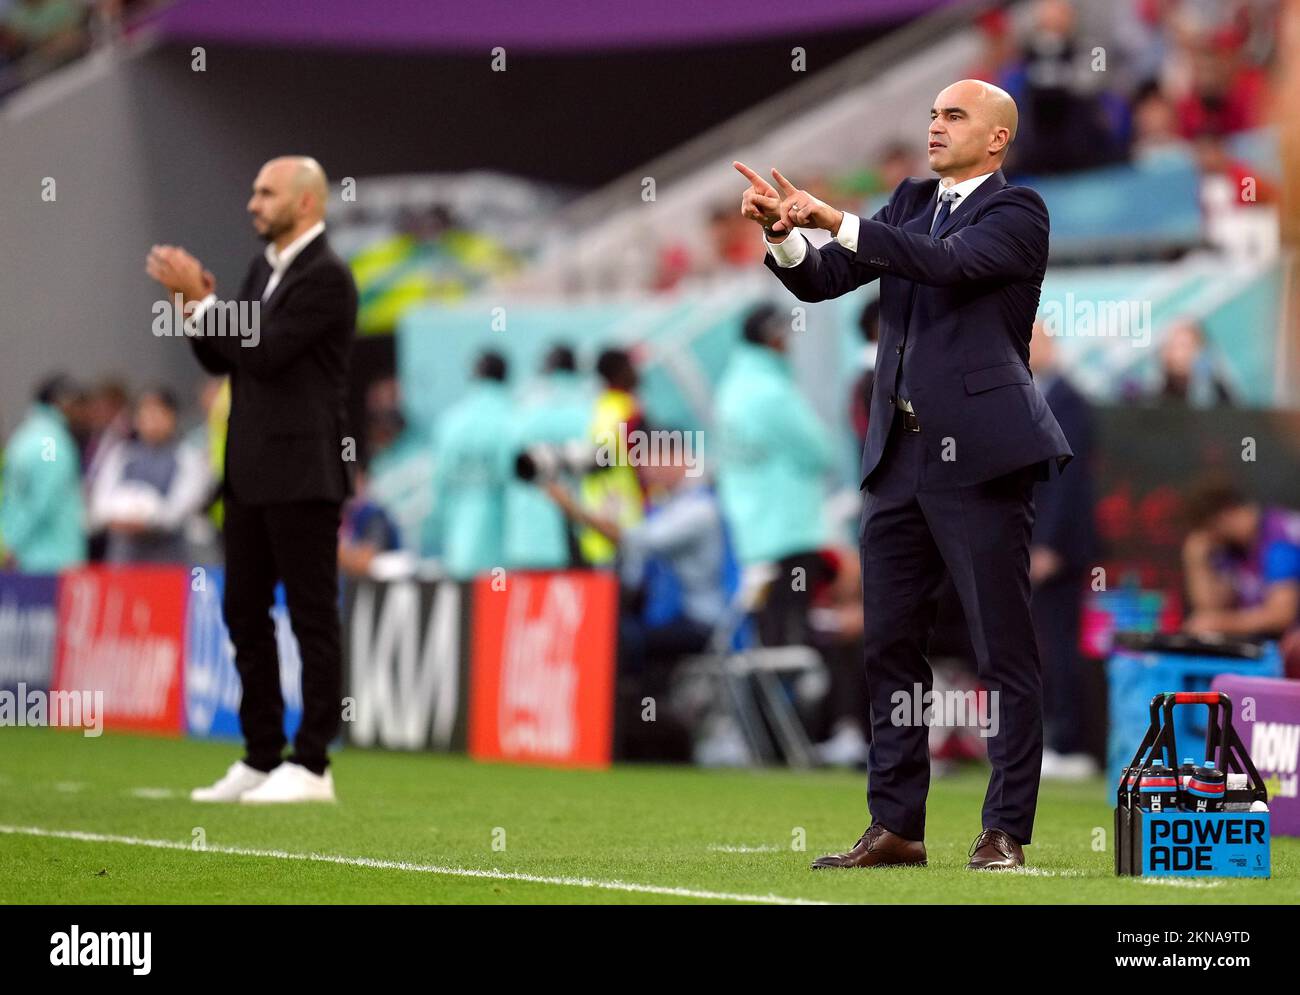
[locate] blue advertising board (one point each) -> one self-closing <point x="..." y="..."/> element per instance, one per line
<point x="212" y="688"/>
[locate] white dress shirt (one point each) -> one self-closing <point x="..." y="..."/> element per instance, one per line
<point x="279" y="260"/>
<point x="790" y="251"/>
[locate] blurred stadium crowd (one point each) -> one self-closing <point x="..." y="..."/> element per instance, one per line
<point x="1181" y="77"/>
<point x="38" y="36"/>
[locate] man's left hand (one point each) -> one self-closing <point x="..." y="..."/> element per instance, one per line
<point x="800" y="209"/>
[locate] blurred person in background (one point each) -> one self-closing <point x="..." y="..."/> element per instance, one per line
<point x="730" y="238"/>
<point x="399" y="475"/>
<point x="898" y="161"/>
<point x="208" y="436"/>
<point x="43" y="34"/>
<point x="107" y="425"/>
<point x="997" y="47"/>
<point x="836" y="623"/>
<point x="555" y="414"/>
<point x="150" y="487"/>
<point x="472" y="463"/>
<point x="860" y="392"/>
<point x="1225" y="93"/>
<point x="42" y="510"/>
<point x="1241" y="565"/>
<point x="1063" y="114"/>
<point x="1062" y="548"/>
<point x="1189" y="373"/>
<point x="1155" y="127"/>
<point x="365" y="532"/>
<point x="613" y="492"/>
<point x="671" y="562"/>
<point x="774" y="458"/>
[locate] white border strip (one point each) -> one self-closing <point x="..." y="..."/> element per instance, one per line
<point x="398" y="865"/>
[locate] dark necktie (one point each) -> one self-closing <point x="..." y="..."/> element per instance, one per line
<point x="946" y="200"/>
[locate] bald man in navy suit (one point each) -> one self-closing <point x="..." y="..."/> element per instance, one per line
<point x="957" y="437"/>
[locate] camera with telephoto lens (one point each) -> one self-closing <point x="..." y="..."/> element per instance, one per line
<point x="545" y="462"/>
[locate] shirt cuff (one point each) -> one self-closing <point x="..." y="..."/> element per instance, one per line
<point x="193" y="322"/>
<point x="789" y="252"/>
<point x="848" y="233"/>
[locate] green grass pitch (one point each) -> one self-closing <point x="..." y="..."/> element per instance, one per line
<point x="109" y="820"/>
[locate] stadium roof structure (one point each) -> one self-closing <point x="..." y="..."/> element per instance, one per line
<point x="455" y="25"/>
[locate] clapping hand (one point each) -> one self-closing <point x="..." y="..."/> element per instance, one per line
<point x="179" y="272"/>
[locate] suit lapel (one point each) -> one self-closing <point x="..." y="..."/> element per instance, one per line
<point x="300" y="261"/>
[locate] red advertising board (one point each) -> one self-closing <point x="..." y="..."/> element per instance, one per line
<point x="121" y="632"/>
<point x="542" y="668"/>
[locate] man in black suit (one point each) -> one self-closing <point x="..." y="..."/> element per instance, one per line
<point x="958" y="435"/>
<point x="285" y="341"/>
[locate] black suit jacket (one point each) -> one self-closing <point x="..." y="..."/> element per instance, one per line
<point x="956" y="311"/>
<point x="288" y="422"/>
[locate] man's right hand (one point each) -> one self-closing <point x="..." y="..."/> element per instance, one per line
<point x="760" y="203"/>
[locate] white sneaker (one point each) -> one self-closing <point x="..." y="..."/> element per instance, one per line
<point x="1068" y="766"/>
<point x="239" y="779"/>
<point x="292" y="783"/>
<point x="846" y="748"/>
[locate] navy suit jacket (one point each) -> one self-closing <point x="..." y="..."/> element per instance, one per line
<point x="957" y="311"/>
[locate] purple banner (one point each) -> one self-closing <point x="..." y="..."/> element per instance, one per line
<point x="1272" y="738"/>
<point x="484" y="24"/>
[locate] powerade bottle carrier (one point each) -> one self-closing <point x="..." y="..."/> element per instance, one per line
<point x="1192" y="820"/>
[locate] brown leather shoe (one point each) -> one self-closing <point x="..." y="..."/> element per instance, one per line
<point x="877" y="847"/>
<point x="994" y="850"/>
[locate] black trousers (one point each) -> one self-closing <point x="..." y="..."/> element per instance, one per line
<point x="297" y="543"/>
<point x="910" y="538"/>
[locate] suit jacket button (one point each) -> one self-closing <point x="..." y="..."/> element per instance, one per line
<point x="898" y="349"/>
<point x="891" y="399"/>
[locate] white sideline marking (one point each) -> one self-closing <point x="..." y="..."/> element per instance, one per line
<point x="153" y="793"/>
<point x="1179" y="882"/>
<point x="1042" y="872"/>
<point x="399" y="865"/>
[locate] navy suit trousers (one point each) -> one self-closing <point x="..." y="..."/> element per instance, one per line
<point x="910" y="538"/>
